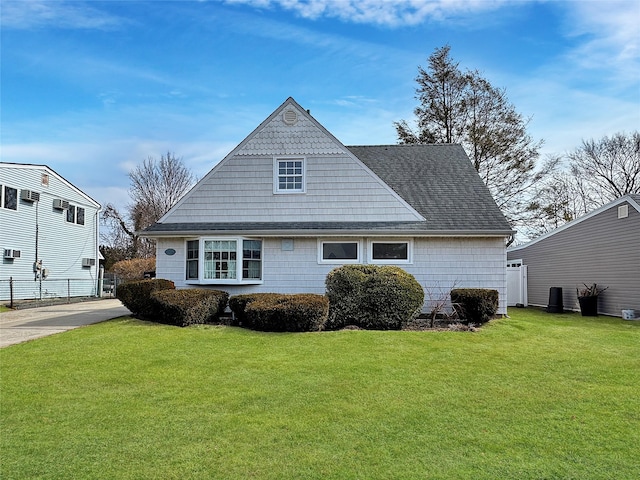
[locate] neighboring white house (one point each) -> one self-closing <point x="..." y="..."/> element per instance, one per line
<point x="291" y="202"/>
<point x="48" y="235"/>
<point x="602" y="247"/>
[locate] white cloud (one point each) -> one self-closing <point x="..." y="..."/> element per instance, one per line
<point x="611" y="39"/>
<point x="377" y="12"/>
<point x="21" y="14"/>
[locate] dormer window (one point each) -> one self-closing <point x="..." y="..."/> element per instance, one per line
<point x="288" y="175"/>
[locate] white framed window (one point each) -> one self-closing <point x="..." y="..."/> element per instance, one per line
<point x="289" y="175"/>
<point x="8" y="197"/>
<point x="223" y="261"/>
<point x="75" y="215"/>
<point x="392" y="252"/>
<point x="339" y="251"/>
<point x="193" y="249"/>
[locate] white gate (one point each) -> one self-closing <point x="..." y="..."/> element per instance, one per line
<point x="517" y="286"/>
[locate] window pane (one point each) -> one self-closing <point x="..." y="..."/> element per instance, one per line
<point x="340" y="251"/>
<point x="290" y="175"/>
<point x="192" y="249"/>
<point x="192" y="259"/>
<point x="390" y="251"/>
<point x="219" y="259"/>
<point x="251" y="259"/>
<point x="71" y="214"/>
<point x="192" y="269"/>
<point x="10" y="198"/>
<point x="80" y="216"/>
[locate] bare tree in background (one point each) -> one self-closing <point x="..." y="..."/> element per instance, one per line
<point x="609" y="167"/>
<point x="156" y="186"/>
<point x="596" y="173"/>
<point x="463" y="107"/>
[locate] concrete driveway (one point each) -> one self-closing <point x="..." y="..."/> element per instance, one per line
<point x="21" y="325"/>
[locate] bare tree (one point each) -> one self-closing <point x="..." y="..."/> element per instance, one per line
<point x="463" y="107"/>
<point x="155" y="187"/>
<point x="596" y="173"/>
<point x="609" y="167"/>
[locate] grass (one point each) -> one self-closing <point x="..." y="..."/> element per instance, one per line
<point x="529" y="397"/>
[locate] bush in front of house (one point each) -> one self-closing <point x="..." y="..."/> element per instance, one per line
<point x="238" y="305"/>
<point x="136" y="296"/>
<point x="275" y="312"/>
<point x="302" y="312"/>
<point x="134" y="269"/>
<point x="189" y="306"/>
<point x="372" y="297"/>
<point x="475" y="305"/>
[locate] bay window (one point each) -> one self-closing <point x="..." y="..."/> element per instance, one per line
<point x="224" y="260"/>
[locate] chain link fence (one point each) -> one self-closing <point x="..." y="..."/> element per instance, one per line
<point x="52" y="291"/>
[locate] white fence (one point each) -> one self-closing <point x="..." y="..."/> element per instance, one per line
<point x="517" y="286"/>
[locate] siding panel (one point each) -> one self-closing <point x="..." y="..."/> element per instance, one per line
<point x="61" y="245"/>
<point x="439" y="264"/>
<point x="602" y="249"/>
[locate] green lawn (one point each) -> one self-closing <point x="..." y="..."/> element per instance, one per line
<point x="535" y="396"/>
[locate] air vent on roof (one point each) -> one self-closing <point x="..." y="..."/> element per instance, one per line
<point x="290" y="117"/>
<point x="29" y="195"/>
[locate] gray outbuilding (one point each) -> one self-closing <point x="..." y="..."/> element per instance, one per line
<point x="602" y="247"/>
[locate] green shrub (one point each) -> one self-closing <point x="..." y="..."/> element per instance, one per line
<point x="238" y="305"/>
<point x="189" y="306"/>
<point x="475" y="305"/>
<point x="305" y="312"/>
<point x="136" y="296"/>
<point x="372" y="297"/>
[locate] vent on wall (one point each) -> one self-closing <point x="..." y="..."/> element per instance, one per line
<point x="290" y="117"/>
<point x="623" y="211"/>
<point x="29" y="195"/>
<point x="60" y="204"/>
<point x="10" y="254"/>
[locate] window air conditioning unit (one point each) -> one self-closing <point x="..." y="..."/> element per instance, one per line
<point x="60" y="204"/>
<point x="29" y="195"/>
<point x="11" y="254"/>
<point x="88" y="262"/>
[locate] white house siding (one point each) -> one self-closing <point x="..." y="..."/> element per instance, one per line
<point x="602" y="249"/>
<point x="61" y="245"/>
<point x="338" y="186"/>
<point x="438" y="265"/>
<point x="242" y="191"/>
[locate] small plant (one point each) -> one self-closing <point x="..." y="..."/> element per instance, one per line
<point x="590" y="290"/>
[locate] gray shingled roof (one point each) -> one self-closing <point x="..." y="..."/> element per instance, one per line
<point x="439" y="181"/>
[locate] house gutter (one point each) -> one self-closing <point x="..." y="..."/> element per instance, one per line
<point x="333" y="233"/>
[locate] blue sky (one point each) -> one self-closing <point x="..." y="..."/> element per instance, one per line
<point x="92" y="88"/>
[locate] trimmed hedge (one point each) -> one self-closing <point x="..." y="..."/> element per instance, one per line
<point x="372" y="297"/>
<point x="475" y="305"/>
<point x="190" y="306"/>
<point x="136" y="296"/>
<point x="273" y="312"/>
<point x="238" y="305"/>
